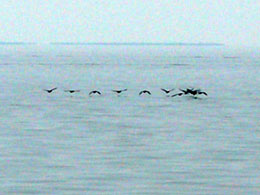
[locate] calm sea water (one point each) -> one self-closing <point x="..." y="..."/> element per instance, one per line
<point x="62" y="143"/>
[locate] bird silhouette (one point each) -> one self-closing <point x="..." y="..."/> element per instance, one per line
<point x="145" y="91"/>
<point x="119" y="91"/>
<point x="202" y="92"/>
<point x="50" y="90"/>
<point x="177" y="94"/>
<point x="94" y="92"/>
<point x="193" y="92"/>
<point x="187" y="91"/>
<point x="167" y="91"/>
<point x="71" y="90"/>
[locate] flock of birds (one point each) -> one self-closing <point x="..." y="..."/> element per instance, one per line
<point x="188" y="91"/>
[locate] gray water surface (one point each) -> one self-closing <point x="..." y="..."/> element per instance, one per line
<point x="62" y="143"/>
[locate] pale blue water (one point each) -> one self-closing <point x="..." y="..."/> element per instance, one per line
<point x="75" y="144"/>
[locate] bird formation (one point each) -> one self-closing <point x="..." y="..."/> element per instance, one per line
<point x="189" y="91"/>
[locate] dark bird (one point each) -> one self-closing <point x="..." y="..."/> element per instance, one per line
<point x="94" y="92"/>
<point x="119" y="91"/>
<point x="145" y="91"/>
<point x="197" y="92"/>
<point x="71" y="91"/>
<point x="201" y="92"/>
<point x="167" y="91"/>
<point x="50" y="90"/>
<point x="187" y="91"/>
<point x="193" y="91"/>
<point x="178" y="94"/>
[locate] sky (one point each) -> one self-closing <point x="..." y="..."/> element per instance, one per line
<point x="232" y="22"/>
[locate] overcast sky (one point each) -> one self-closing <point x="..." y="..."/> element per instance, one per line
<point x="233" y="22"/>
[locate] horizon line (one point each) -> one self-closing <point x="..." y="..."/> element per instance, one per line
<point x="116" y="43"/>
<point x="135" y="43"/>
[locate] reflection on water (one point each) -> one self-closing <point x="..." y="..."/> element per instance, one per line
<point x="63" y="143"/>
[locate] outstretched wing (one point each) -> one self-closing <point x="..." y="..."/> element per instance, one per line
<point x="71" y="91"/>
<point x="141" y="92"/>
<point x="202" y="92"/>
<point x="166" y="91"/>
<point x="177" y="94"/>
<point x="54" y="88"/>
<point x="50" y="90"/>
<point x="92" y="92"/>
<point x="184" y="91"/>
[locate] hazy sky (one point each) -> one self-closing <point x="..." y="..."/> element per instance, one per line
<point x="235" y="22"/>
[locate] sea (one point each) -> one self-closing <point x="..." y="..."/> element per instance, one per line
<point x="74" y="143"/>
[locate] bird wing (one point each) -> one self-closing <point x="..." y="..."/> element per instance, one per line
<point x="148" y="92"/>
<point x="183" y="90"/>
<point x="117" y="91"/>
<point x="91" y="92"/>
<point x="54" y="88"/>
<point x="179" y="94"/>
<point x="124" y="90"/>
<point x="71" y="90"/>
<point x="171" y="90"/>
<point x="202" y="92"/>
<point x="164" y="90"/>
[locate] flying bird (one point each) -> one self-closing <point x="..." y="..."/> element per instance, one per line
<point x="119" y="91"/>
<point x="201" y="92"/>
<point x="71" y="91"/>
<point x="167" y="91"/>
<point x="50" y="90"/>
<point x="177" y="94"/>
<point x="94" y="92"/>
<point x="187" y="91"/>
<point x="193" y="91"/>
<point x="145" y="91"/>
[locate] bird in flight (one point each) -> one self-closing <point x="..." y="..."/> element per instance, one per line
<point x="71" y="90"/>
<point x="167" y="91"/>
<point x="145" y="91"/>
<point x="119" y="91"/>
<point x="201" y="92"/>
<point x="50" y="90"/>
<point x="94" y="92"/>
<point x="193" y="92"/>
<point x="177" y="94"/>
<point x="187" y="91"/>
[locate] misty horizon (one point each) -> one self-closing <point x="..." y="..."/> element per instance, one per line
<point x="233" y="23"/>
<point x="119" y="43"/>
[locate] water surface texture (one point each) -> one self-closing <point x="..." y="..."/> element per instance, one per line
<point x="62" y="143"/>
